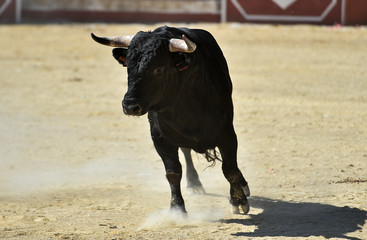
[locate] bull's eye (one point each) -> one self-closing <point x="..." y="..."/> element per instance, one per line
<point x="158" y="70"/>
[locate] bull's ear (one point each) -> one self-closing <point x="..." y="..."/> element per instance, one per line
<point x="120" y="55"/>
<point x="182" y="61"/>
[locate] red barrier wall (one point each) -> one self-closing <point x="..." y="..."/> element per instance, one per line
<point x="348" y="12"/>
<point x="356" y="12"/>
<point x="8" y="13"/>
<point x="122" y="17"/>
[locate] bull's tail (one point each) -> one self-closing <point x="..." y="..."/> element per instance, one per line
<point x="211" y="156"/>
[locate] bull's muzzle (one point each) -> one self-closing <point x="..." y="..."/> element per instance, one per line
<point x="132" y="109"/>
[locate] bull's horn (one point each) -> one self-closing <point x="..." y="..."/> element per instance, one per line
<point x="120" y="41"/>
<point x="179" y="45"/>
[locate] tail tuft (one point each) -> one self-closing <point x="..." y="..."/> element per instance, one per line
<point x="211" y="156"/>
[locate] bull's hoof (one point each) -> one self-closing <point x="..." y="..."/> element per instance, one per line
<point x="246" y="190"/>
<point x="235" y="209"/>
<point x="178" y="205"/>
<point x="245" y="209"/>
<point x="178" y="209"/>
<point x="196" y="190"/>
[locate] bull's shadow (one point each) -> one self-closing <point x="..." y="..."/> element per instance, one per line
<point x="289" y="219"/>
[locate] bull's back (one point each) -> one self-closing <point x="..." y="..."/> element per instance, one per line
<point x="213" y="58"/>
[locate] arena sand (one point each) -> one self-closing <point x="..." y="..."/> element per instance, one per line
<point x="74" y="167"/>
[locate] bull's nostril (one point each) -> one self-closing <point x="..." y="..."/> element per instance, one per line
<point x="132" y="109"/>
<point x="136" y="109"/>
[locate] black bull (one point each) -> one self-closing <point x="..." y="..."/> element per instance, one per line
<point x="180" y="77"/>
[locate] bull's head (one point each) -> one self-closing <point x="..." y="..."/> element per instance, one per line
<point x="153" y="62"/>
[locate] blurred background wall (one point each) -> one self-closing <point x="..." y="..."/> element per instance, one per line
<point x="345" y="12"/>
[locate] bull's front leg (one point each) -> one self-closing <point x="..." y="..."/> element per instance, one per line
<point x="238" y="185"/>
<point x="169" y="155"/>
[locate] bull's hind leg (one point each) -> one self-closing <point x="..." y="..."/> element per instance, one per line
<point x="192" y="177"/>
<point x="169" y="155"/>
<point x="238" y="185"/>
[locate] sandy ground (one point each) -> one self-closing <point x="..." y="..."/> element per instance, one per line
<point x="72" y="166"/>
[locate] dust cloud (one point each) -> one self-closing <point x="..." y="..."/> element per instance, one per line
<point x="176" y="218"/>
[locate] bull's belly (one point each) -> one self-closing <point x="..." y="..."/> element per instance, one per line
<point x="197" y="135"/>
<point x="198" y="141"/>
